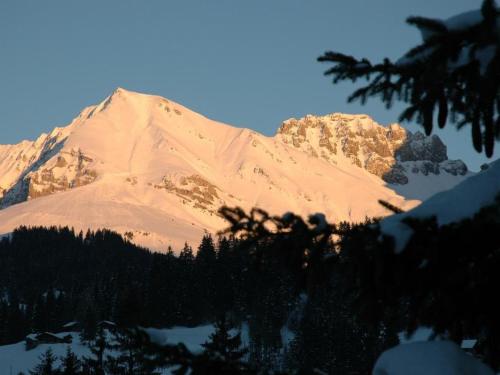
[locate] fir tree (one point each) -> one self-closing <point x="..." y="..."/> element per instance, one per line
<point x="186" y="255"/>
<point x="128" y="310"/>
<point x="71" y="365"/>
<point x="98" y="348"/>
<point x="448" y="73"/>
<point x="186" y="307"/>
<point x="40" y="316"/>
<point x="17" y="324"/>
<point x="205" y="265"/>
<point x="132" y="358"/>
<point x="50" y="310"/>
<point x="222" y="344"/>
<point x="89" y="324"/>
<point x="46" y="365"/>
<point x="225" y="281"/>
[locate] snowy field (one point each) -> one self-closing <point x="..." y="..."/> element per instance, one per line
<point x="15" y="358"/>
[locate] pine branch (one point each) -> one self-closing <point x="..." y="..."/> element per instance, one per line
<point x="443" y="73"/>
<point x="430" y="24"/>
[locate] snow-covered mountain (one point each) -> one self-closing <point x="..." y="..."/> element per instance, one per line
<point x="158" y="172"/>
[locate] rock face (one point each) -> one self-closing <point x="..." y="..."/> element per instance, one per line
<point x="43" y="168"/>
<point x="391" y="152"/>
<point x="66" y="171"/>
<point x="419" y="147"/>
<point x="193" y="190"/>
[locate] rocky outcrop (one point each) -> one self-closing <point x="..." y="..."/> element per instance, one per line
<point x="67" y="171"/>
<point x="419" y="147"/>
<point x="193" y="189"/>
<point x="454" y="167"/>
<point x="63" y="171"/>
<point x="389" y="152"/>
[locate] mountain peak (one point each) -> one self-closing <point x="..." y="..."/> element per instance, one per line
<point x="122" y="91"/>
<point x="123" y="103"/>
<point x="145" y="165"/>
<point x="138" y="102"/>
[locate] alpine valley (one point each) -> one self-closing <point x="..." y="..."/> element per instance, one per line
<point x="157" y="172"/>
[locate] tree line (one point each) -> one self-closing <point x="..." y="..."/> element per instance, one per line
<point x="53" y="276"/>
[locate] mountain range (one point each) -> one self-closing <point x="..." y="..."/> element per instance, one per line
<point x="157" y="172"/>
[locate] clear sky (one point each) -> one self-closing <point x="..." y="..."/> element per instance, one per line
<point x="249" y="63"/>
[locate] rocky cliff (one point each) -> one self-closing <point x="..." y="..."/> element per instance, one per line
<point x="391" y="152"/>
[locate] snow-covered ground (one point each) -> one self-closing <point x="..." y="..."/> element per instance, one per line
<point x="429" y="358"/>
<point x="193" y="338"/>
<point x="15" y="358"/>
<point x="460" y="202"/>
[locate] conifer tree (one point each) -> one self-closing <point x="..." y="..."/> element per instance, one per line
<point x="40" y="316"/>
<point x="186" y="310"/>
<point x="50" y="310"/>
<point x="128" y="306"/>
<point x="222" y="344"/>
<point x="71" y="365"/>
<point x="132" y="358"/>
<point x="205" y="265"/>
<point x="225" y="282"/>
<point x="46" y="365"/>
<point x="206" y="251"/>
<point x="453" y="75"/>
<point x="186" y="254"/>
<point x="98" y="348"/>
<point x="89" y="324"/>
<point x="17" y="325"/>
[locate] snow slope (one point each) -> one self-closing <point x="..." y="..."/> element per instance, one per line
<point x="156" y="171"/>
<point x="429" y="358"/>
<point x="472" y="194"/>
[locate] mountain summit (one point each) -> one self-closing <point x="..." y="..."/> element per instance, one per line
<point x="157" y="172"/>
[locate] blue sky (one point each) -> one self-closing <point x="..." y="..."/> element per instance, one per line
<point x="246" y="63"/>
